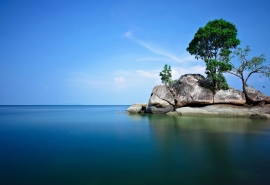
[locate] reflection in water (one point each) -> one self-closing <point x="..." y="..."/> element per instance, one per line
<point x="96" y="145"/>
<point x="214" y="150"/>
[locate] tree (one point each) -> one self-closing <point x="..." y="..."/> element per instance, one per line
<point x="252" y="66"/>
<point x="213" y="44"/>
<point x="166" y="75"/>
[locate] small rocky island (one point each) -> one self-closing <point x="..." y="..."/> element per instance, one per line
<point x="189" y="97"/>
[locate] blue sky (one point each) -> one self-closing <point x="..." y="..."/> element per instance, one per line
<point x="59" y="52"/>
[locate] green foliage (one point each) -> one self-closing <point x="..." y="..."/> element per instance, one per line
<point x="215" y="78"/>
<point x="166" y="75"/>
<point x="213" y="44"/>
<point x="253" y="65"/>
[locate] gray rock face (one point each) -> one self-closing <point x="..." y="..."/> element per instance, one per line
<point x="158" y="102"/>
<point x="230" y="96"/>
<point x="137" y="108"/>
<point x="189" y="91"/>
<point x="222" y="110"/>
<point x="163" y="92"/>
<point x="254" y="95"/>
<point x="161" y="100"/>
<point x="159" y="110"/>
<point x="267" y="99"/>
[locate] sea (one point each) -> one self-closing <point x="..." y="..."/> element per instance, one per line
<point x="102" y="145"/>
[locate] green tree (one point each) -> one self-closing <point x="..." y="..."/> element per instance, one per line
<point x="249" y="66"/>
<point x="213" y="44"/>
<point x="166" y="75"/>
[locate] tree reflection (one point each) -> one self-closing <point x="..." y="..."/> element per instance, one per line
<point x="210" y="149"/>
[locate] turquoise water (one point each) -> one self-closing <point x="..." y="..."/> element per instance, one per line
<point x="95" y="145"/>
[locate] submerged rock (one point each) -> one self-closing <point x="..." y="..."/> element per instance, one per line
<point x="173" y="113"/>
<point x="258" y="116"/>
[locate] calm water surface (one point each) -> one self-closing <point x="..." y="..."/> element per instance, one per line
<point x="95" y="145"/>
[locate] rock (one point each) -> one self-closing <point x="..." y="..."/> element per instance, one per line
<point x="158" y="102"/>
<point x="137" y="108"/>
<point x="161" y="100"/>
<point x="230" y="96"/>
<point x="258" y="116"/>
<point x="163" y="92"/>
<point x="159" y="110"/>
<point x="226" y="110"/>
<point x="194" y="111"/>
<point x="267" y="100"/>
<point x="254" y="95"/>
<point x="188" y="90"/>
<point x="173" y="113"/>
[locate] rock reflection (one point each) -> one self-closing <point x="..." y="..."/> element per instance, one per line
<point x="210" y="148"/>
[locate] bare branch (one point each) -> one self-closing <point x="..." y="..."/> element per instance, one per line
<point x="254" y="65"/>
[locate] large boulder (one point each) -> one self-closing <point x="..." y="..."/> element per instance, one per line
<point x="161" y="100"/>
<point x="189" y="90"/>
<point x="164" y="93"/>
<point x="254" y="95"/>
<point x="157" y="101"/>
<point x="230" y="96"/>
<point x="136" y="108"/>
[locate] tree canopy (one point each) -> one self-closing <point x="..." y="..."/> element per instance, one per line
<point x="166" y="75"/>
<point x="213" y="44"/>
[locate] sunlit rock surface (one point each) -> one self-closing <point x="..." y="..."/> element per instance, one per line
<point x="226" y="111"/>
<point x="137" y="108"/>
<point x="254" y="95"/>
<point x="188" y="96"/>
<point x="188" y="90"/>
<point x="161" y="100"/>
<point x="230" y="96"/>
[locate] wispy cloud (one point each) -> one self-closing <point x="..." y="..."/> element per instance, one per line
<point x="120" y="83"/>
<point x="148" y="74"/>
<point x="181" y="59"/>
<point x="177" y="72"/>
<point x="152" y="59"/>
<point x="87" y="82"/>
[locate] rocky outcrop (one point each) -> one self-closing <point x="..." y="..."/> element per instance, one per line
<point x="157" y="101"/>
<point x="254" y="95"/>
<point x="230" y="96"/>
<point x="161" y="100"/>
<point x="164" y="93"/>
<point x="223" y="110"/>
<point x="159" y="110"/>
<point x="188" y="90"/>
<point x="137" y="108"/>
<point x="267" y="100"/>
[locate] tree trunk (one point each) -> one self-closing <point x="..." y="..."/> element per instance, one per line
<point x="244" y="90"/>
